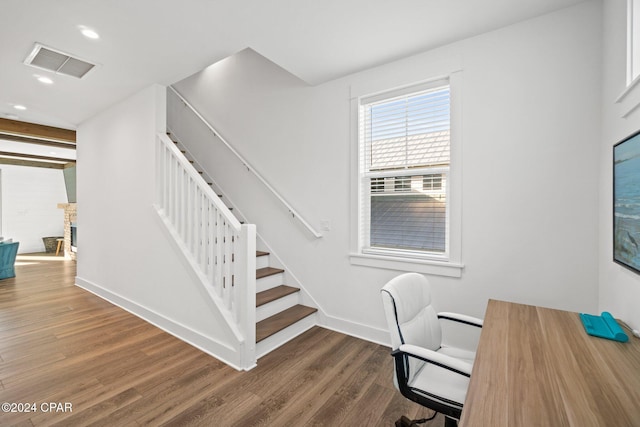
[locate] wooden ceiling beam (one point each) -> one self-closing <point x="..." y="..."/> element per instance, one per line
<point x="35" y="157"/>
<point x="32" y="163"/>
<point x="32" y="130"/>
<point x="16" y="138"/>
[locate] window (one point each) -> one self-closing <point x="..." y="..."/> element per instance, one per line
<point x="404" y="159"/>
<point x="629" y="99"/>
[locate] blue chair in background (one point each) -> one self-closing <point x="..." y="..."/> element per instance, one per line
<point x="8" y="252"/>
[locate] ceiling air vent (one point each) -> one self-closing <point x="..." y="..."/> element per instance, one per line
<point x="59" y="62"/>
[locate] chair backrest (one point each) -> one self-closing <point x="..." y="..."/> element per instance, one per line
<point x="410" y="316"/>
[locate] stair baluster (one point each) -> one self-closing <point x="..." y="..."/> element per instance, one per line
<point x="220" y="249"/>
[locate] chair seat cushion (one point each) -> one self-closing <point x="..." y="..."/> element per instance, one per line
<point x="433" y="380"/>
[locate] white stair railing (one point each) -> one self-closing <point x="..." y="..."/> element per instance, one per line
<point x="249" y="167"/>
<point x="219" y="248"/>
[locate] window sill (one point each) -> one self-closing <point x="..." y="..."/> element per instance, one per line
<point x="425" y="266"/>
<point x="629" y="99"/>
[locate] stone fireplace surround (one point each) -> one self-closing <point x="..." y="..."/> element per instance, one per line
<point x="70" y="216"/>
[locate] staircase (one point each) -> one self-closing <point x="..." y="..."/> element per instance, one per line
<point x="280" y="316"/>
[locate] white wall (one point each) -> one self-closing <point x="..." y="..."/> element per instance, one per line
<point x="124" y="254"/>
<point x="530" y="130"/>
<point x="619" y="287"/>
<point x="30" y="198"/>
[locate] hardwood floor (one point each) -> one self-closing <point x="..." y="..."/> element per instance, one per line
<point x="62" y="345"/>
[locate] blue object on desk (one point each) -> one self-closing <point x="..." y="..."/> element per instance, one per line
<point x="604" y="326"/>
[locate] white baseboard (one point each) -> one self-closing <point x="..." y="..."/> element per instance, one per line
<point x="221" y="351"/>
<point x="357" y="330"/>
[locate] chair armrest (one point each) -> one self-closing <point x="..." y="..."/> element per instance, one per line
<point x="442" y="360"/>
<point x="461" y="318"/>
<point x="460" y="331"/>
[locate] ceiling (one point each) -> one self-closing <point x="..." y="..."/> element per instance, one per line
<point x="163" y="41"/>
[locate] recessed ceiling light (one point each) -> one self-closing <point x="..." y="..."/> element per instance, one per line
<point x="88" y="32"/>
<point x="19" y="107"/>
<point x="45" y="80"/>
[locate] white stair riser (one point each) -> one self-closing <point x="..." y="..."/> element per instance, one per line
<point x="275" y="307"/>
<point x="267" y="345"/>
<point x="262" y="261"/>
<point x="269" y="282"/>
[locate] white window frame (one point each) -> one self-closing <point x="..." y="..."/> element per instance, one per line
<point x="629" y="99"/>
<point x="447" y="264"/>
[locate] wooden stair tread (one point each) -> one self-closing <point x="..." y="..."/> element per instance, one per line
<point x="271" y="325"/>
<point x="273" y="294"/>
<point x="261" y="253"/>
<point x="267" y="271"/>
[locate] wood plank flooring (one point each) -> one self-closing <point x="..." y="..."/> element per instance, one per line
<point x="60" y="344"/>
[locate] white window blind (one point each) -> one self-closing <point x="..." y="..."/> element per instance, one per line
<point x="404" y="165"/>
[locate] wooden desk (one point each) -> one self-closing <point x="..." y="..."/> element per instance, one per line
<point x="538" y="367"/>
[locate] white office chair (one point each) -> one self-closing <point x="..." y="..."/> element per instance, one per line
<point x="433" y="353"/>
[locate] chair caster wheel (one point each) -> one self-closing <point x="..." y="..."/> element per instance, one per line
<point x="404" y="422"/>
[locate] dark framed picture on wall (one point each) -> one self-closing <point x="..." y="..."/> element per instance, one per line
<point x="626" y="202"/>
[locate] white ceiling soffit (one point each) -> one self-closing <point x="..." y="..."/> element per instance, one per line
<point x="57" y="61"/>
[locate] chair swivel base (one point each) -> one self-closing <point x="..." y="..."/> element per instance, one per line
<point x="406" y="422"/>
